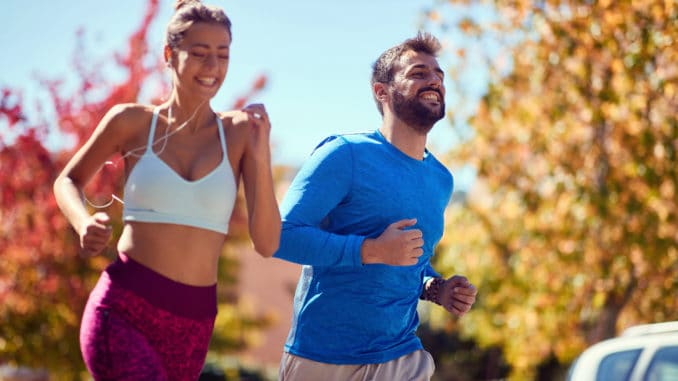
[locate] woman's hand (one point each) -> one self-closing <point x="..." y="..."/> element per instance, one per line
<point x="95" y="234"/>
<point x="260" y="132"/>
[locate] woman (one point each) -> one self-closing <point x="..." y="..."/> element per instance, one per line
<point x="152" y="312"/>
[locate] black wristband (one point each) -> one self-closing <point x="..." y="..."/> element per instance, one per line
<point x="432" y="290"/>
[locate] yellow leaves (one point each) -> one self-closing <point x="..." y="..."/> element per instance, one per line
<point x="594" y="29"/>
<point x="661" y="207"/>
<point x="67" y="314"/>
<point x="573" y="64"/>
<point x="659" y="152"/>
<point x="617" y="66"/>
<point x="511" y="208"/>
<point x="577" y="191"/>
<point x="434" y="16"/>
<point x="604" y="3"/>
<point x="469" y="27"/>
<point x="667" y="190"/>
<point x="659" y="11"/>
<point x="640" y="265"/>
<point x="598" y="300"/>
<point x="670" y="7"/>
<point x="633" y="127"/>
<point x="612" y="18"/>
<point x="237" y="325"/>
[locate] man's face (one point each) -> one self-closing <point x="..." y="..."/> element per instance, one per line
<point x="417" y="91"/>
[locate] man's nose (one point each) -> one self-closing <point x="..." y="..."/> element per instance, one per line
<point x="435" y="81"/>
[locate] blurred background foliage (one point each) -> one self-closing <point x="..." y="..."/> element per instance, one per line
<point x="568" y="229"/>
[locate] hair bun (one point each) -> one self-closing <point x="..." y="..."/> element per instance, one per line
<point x="180" y="3"/>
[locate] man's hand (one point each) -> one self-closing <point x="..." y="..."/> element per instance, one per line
<point x="395" y="246"/>
<point x="457" y="295"/>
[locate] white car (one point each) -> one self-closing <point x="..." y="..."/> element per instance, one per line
<point x="641" y="353"/>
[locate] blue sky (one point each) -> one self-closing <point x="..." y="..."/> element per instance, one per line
<point x="317" y="55"/>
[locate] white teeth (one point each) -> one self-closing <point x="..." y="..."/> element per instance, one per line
<point x="208" y="81"/>
<point x="430" y="97"/>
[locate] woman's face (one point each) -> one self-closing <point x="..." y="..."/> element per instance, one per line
<point x="200" y="62"/>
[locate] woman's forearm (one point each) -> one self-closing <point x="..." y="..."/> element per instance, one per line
<point x="69" y="199"/>
<point x="264" y="215"/>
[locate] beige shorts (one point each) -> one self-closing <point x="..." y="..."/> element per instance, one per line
<point x="416" y="366"/>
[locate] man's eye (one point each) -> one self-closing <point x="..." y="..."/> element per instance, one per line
<point x="224" y="57"/>
<point x="199" y="55"/>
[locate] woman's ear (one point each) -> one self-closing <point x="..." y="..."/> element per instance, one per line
<point x="168" y="55"/>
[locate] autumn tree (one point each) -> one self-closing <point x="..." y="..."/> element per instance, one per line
<point x="43" y="282"/>
<point x="570" y="229"/>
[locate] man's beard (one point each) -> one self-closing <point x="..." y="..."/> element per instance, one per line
<point x="417" y="115"/>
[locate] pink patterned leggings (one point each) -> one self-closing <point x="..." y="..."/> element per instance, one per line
<point x="139" y="325"/>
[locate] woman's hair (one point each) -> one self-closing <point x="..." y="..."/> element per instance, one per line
<point x="382" y="69"/>
<point x="189" y="12"/>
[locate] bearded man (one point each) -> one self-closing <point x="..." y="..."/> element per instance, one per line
<point x="363" y="217"/>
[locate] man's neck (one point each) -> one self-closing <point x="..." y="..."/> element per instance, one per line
<point x="407" y="139"/>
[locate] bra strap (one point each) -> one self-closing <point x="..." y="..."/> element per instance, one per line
<point x="151" y="132"/>
<point x="222" y="137"/>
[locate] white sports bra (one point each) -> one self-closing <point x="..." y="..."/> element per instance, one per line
<point x="154" y="192"/>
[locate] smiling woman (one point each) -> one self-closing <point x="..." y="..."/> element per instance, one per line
<point x="200" y="61"/>
<point x="184" y="162"/>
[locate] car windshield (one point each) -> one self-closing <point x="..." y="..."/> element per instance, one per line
<point x="664" y="365"/>
<point x="617" y="366"/>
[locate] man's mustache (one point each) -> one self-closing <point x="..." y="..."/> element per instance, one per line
<point x="430" y="89"/>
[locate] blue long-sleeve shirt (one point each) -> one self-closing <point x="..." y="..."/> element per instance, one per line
<point x="351" y="188"/>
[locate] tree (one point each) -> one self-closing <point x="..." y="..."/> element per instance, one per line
<point x="43" y="282"/>
<point x="571" y="227"/>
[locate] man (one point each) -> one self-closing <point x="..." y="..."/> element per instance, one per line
<point x="363" y="216"/>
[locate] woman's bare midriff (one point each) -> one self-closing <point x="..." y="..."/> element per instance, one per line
<point x="184" y="254"/>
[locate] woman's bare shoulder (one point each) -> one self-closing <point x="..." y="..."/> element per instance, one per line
<point x="236" y="118"/>
<point x="127" y="118"/>
<point x="130" y="113"/>
<point x="236" y="123"/>
<point x="125" y="125"/>
<point x="236" y="129"/>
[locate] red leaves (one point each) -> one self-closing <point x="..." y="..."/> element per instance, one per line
<point x="42" y="280"/>
<point x="26" y="166"/>
<point x="258" y="85"/>
<point x="10" y="107"/>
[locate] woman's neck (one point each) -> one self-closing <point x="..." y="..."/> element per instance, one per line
<point x="194" y="114"/>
